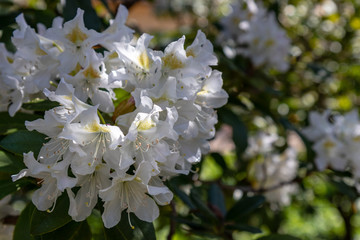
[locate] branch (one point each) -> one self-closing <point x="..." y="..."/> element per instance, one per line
<point x="172" y="221"/>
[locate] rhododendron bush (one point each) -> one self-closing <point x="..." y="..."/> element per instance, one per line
<point x="234" y="123"/>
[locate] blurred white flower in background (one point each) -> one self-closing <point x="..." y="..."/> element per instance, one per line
<point x="249" y="30"/>
<point x="271" y="171"/>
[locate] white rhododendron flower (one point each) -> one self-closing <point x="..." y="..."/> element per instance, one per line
<point x="252" y="32"/>
<point x="119" y="153"/>
<point x="336" y="140"/>
<point x="270" y="171"/>
<point x="12" y="85"/>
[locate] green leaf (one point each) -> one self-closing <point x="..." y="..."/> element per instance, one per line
<point x="182" y="195"/>
<point x="23" y="142"/>
<point x="142" y="230"/>
<point x="91" y="19"/>
<point x="219" y="160"/>
<point x="8" y="186"/>
<point x="6" y="38"/>
<point x="16" y="122"/>
<point x="22" y="228"/>
<point x="7" y="19"/>
<point x="71" y="231"/>
<point x="278" y="237"/>
<point x="204" y="212"/>
<point x="190" y="222"/>
<point x="244" y="206"/>
<point x="242" y="228"/>
<point x="97" y="226"/>
<point x="121" y="95"/>
<point x="42" y="105"/>
<point x="217" y="200"/>
<point x="44" y="222"/>
<point x="345" y="189"/>
<point x="10" y="163"/>
<point x="239" y="129"/>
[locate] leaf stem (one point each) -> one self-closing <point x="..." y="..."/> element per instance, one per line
<point x="102" y="120"/>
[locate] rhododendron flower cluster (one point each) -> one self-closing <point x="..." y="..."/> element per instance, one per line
<point x="336" y="140"/>
<point x="159" y="130"/>
<point x="251" y="31"/>
<point x="271" y="171"/>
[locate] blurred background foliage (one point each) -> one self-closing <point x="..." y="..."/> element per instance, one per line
<point x="217" y="200"/>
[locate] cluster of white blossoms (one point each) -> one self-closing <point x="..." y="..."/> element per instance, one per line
<point x="251" y="31"/>
<point x="271" y="171"/>
<point x="336" y="140"/>
<point x="158" y="132"/>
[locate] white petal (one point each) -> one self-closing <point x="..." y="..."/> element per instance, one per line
<point x="148" y="210"/>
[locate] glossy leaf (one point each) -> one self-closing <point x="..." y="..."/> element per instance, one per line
<point x="182" y="195"/>
<point x="8" y="186"/>
<point x="203" y="210"/>
<point x="43" y="105"/>
<point x="16" y="122"/>
<point x="22" y="228"/>
<point x="44" y="222"/>
<point x="217" y="200"/>
<point x="71" y="231"/>
<point x="91" y="20"/>
<point x="23" y="142"/>
<point x="10" y="163"/>
<point x="244" y="206"/>
<point x="142" y="230"/>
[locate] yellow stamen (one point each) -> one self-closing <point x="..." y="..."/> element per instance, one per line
<point x="76" y="35"/>
<point x="172" y="62"/>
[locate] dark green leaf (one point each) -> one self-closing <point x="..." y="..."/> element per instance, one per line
<point x="35" y="16"/>
<point x="242" y="228"/>
<point x="7" y="19"/>
<point x="217" y="200"/>
<point x="44" y="222"/>
<point x="182" y="195"/>
<point x="91" y="20"/>
<point x="219" y="160"/>
<point x="6" y="38"/>
<point x="40" y="106"/>
<point x="204" y="212"/>
<point x="22" y="228"/>
<point x="52" y="4"/>
<point x="244" y="206"/>
<point x="23" y="142"/>
<point x="16" y="122"/>
<point x="239" y="129"/>
<point x="8" y="186"/>
<point x="278" y="237"/>
<point x="71" y="231"/>
<point x="190" y="222"/>
<point x="345" y="189"/>
<point x="142" y="230"/>
<point x="10" y="163"/>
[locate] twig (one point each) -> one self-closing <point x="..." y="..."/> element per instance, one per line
<point x="172" y="221"/>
